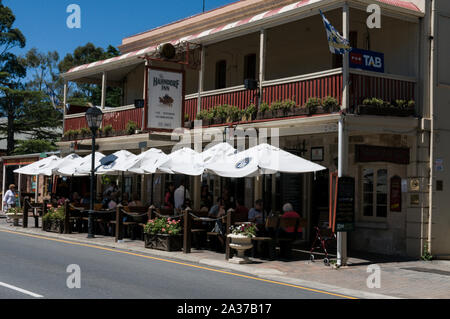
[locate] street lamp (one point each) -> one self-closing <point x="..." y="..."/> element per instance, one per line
<point x="94" y="117"/>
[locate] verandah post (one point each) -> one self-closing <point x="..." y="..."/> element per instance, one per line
<point x="187" y="231"/>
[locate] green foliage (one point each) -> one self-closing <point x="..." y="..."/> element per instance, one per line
<point x="313" y="104"/>
<point x="131" y="127"/>
<point x="248" y="230"/>
<point x="108" y="129"/>
<point x="264" y="107"/>
<point x="233" y="113"/>
<point x="34" y="146"/>
<point x="277" y="105"/>
<point x="426" y="253"/>
<point x="374" y="102"/>
<point x="84" y="131"/>
<point x="15" y="211"/>
<point x="202" y="115"/>
<point x="250" y="111"/>
<point x="330" y="104"/>
<point x="186" y="117"/>
<point x="163" y="226"/>
<point x="405" y="104"/>
<point x="53" y="214"/>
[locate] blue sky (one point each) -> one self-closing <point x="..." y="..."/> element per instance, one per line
<point x="103" y="22"/>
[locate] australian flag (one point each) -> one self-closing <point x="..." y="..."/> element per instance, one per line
<point x="337" y="43"/>
<point x="53" y="97"/>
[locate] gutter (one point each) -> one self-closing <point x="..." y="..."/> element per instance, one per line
<point x="431" y="101"/>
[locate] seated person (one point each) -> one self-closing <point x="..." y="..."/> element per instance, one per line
<point x="106" y="199"/>
<point x="241" y="212"/>
<point x="135" y="202"/>
<point x="86" y="199"/>
<point x="288" y="212"/>
<point x="76" y="199"/>
<point x="217" y="210"/>
<point x="256" y="214"/>
<point x="125" y="199"/>
<point x="113" y="202"/>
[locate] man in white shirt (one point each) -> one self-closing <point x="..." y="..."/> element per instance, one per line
<point x="9" y="200"/>
<point x="179" y="196"/>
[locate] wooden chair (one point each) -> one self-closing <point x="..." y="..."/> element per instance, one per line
<point x="285" y="240"/>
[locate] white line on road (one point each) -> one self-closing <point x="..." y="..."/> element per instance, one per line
<point x="26" y="292"/>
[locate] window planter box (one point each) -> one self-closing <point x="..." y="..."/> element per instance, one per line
<point x="188" y="124"/>
<point x="384" y="111"/>
<point x="163" y="242"/>
<point x="298" y="111"/>
<point x="53" y="226"/>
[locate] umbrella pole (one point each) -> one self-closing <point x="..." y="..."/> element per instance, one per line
<point x="151" y="190"/>
<point x="71" y="185"/>
<point x="185" y="186"/>
<point x="123" y="186"/>
<point x="264" y="197"/>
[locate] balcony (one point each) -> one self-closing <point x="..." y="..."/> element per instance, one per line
<point x="299" y="89"/>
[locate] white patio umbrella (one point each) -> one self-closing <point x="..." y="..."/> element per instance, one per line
<point x="184" y="161"/>
<point x="66" y="161"/>
<point x="119" y="165"/>
<point x="148" y="162"/>
<point x="262" y="159"/>
<point x="82" y="166"/>
<point x="217" y="152"/>
<point x="42" y="167"/>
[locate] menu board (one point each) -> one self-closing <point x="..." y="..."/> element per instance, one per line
<point x="396" y="194"/>
<point x="345" y="207"/>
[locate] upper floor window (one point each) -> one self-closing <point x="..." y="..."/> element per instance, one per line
<point x="374" y="192"/>
<point x="250" y="66"/>
<point x="221" y="74"/>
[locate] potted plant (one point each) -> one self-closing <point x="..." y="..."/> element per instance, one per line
<point x="85" y="132"/>
<point x="15" y="213"/>
<point x="131" y="127"/>
<point x="241" y="240"/>
<point x="277" y="109"/>
<point x="312" y="105"/>
<point x="203" y="116"/>
<point x="263" y="112"/>
<point x="53" y="221"/>
<point x="233" y="114"/>
<point x="107" y="130"/>
<point x="330" y="104"/>
<point x="249" y="113"/>
<point x="187" y="122"/>
<point x="163" y="234"/>
<point x="288" y="107"/>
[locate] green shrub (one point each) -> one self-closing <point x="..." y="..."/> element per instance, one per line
<point x="54" y="214"/>
<point x="233" y="113"/>
<point x="313" y="104"/>
<point x="250" y="110"/>
<point x="411" y="104"/>
<point x="202" y="115"/>
<point x="277" y="105"/>
<point x="85" y="131"/>
<point x="131" y="127"/>
<point x="108" y="129"/>
<point x="374" y="102"/>
<point x="330" y="104"/>
<point x="163" y="226"/>
<point x="288" y="104"/>
<point x="264" y="107"/>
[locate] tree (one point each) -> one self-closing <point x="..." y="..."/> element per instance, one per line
<point x="11" y="71"/>
<point x="90" y="93"/>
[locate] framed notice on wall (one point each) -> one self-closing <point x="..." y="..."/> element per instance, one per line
<point x="165" y="96"/>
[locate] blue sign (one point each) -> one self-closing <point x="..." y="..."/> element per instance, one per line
<point x="367" y="60"/>
<point x="243" y="163"/>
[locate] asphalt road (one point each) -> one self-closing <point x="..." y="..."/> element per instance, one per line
<point x="37" y="268"/>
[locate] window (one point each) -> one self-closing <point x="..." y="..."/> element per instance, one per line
<point x="374" y="192"/>
<point x="250" y="67"/>
<point x="221" y="74"/>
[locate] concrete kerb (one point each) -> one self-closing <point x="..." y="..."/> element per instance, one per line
<point x="267" y="273"/>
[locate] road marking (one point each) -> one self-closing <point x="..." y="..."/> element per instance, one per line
<point x="179" y="263"/>
<point x="26" y="292"/>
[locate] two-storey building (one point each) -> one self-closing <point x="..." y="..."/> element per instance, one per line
<point x="395" y="154"/>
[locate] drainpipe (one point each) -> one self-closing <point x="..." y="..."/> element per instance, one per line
<point x="262" y="63"/>
<point x="431" y="103"/>
<point x="343" y="137"/>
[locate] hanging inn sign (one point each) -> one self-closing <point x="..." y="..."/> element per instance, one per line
<point x="165" y="99"/>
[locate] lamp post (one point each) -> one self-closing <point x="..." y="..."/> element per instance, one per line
<point x="94" y="117"/>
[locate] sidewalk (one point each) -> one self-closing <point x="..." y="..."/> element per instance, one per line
<point x="405" y="279"/>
